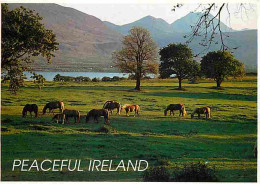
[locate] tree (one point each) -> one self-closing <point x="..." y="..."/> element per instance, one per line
<point x="219" y="65"/>
<point x="38" y="79"/>
<point x="23" y="37"/>
<point x="138" y="55"/>
<point x="195" y="72"/>
<point x="176" y="59"/>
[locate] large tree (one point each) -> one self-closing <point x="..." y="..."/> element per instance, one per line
<point x="138" y="55"/>
<point x="176" y="59"/>
<point x="219" y="65"/>
<point x="23" y="38"/>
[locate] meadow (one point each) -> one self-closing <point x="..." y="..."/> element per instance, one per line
<point x="225" y="141"/>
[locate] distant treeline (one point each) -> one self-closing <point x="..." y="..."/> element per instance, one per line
<point x="61" y="78"/>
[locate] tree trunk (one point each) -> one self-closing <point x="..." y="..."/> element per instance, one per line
<point x="138" y="82"/>
<point x="179" y="83"/>
<point x="218" y="84"/>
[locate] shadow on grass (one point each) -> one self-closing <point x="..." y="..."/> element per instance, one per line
<point x="212" y="95"/>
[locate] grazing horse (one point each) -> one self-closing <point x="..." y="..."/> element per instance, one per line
<point x="111" y="105"/>
<point x="202" y="110"/>
<point x="70" y="113"/>
<point x="31" y="108"/>
<point x="96" y="113"/>
<point x="175" y="107"/>
<point x="53" y="105"/>
<point x="57" y="117"/>
<point x="131" y="108"/>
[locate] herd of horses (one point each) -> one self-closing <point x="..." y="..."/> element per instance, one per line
<point x="106" y="111"/>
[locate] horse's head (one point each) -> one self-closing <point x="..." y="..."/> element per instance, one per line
<point x="44" y="110"/>
<point x="165" y="112"/>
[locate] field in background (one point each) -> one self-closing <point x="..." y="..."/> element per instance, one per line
<point x="226" y="141"/>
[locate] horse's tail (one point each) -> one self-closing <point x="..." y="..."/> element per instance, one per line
<point x="61" y="104"/>
<point x="78" y="116"/>
<point x="36" y="111"/>
<point x="24" y="111"/>
<point x="137" y="107"/>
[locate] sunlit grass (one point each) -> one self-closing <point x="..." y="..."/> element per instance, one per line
<point x="225" y="141"/>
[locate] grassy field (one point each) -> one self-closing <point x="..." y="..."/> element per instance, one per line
<point x="226" y="141"/>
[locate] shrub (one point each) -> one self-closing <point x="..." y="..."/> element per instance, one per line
<point x="116" y="78"/>
<point x="95" y="80"/>
<point x="106" y="79"/>
<point x="195" y="172"/>
<point x="159" y="174"/>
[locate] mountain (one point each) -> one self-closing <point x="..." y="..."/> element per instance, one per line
<point x="85" y="41"/>
<point x="163" y="33"/>
<point x="183" y="25"/>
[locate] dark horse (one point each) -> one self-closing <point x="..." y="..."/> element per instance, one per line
<point x="175" y="107"/>
<point x="111" y="105"/>
<point x="96" y="113"/>
<point x="31" y="108"/>
<point x="53" y="105"/>
<point x="70" y="113"/>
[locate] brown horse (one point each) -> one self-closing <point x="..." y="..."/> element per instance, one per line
<point x="202" y="110"/>
<point x="70" y="113"/>
<point x="111" y="105"/>
<point x="175" y="107"/>
<point x="96" y="113"/>
<point x="53" y="105"/>
<point x="31" y="108"/>
<point x="131" y="108"/>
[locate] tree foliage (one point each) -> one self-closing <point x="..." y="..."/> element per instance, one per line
<point x="23" y="36"/>
<point x="219" y="65"/>
<point x="138" y="55"/>
<point x="38" y="79"/>
<point x="176" y="59"/>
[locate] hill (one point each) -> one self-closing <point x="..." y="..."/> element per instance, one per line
<point x="86" y="43"/>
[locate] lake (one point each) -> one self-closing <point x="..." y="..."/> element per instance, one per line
<point x="50" y="75"/>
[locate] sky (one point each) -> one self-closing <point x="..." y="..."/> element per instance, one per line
<point x="125" y="13"/>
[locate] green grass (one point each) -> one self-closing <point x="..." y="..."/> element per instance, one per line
<point x="226" y="141"/>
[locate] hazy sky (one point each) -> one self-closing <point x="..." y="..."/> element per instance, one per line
<point x="126" y="13"/>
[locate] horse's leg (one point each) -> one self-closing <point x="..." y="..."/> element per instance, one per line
<point x="180" y="113"/>
<point x="199" y="115"/>
<point x="63" y="118"/>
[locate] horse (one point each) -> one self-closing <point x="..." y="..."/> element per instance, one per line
<point x="131" y="108"/>
<point x="70" y="113"/>
<point x="31" y="108"/>
<point x="175" y="107"/>
<point x="255" y="150"/>
<point x="111" y="105"/>
<point x="96" y="113"/>
<point x="53" y="105"/>
<point x="57" y="117"/>
<point x="202" y="110"/>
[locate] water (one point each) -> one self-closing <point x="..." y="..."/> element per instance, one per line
<point x="50" y="75"/>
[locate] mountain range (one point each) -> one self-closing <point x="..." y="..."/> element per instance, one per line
<point x="86" y="42"/>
